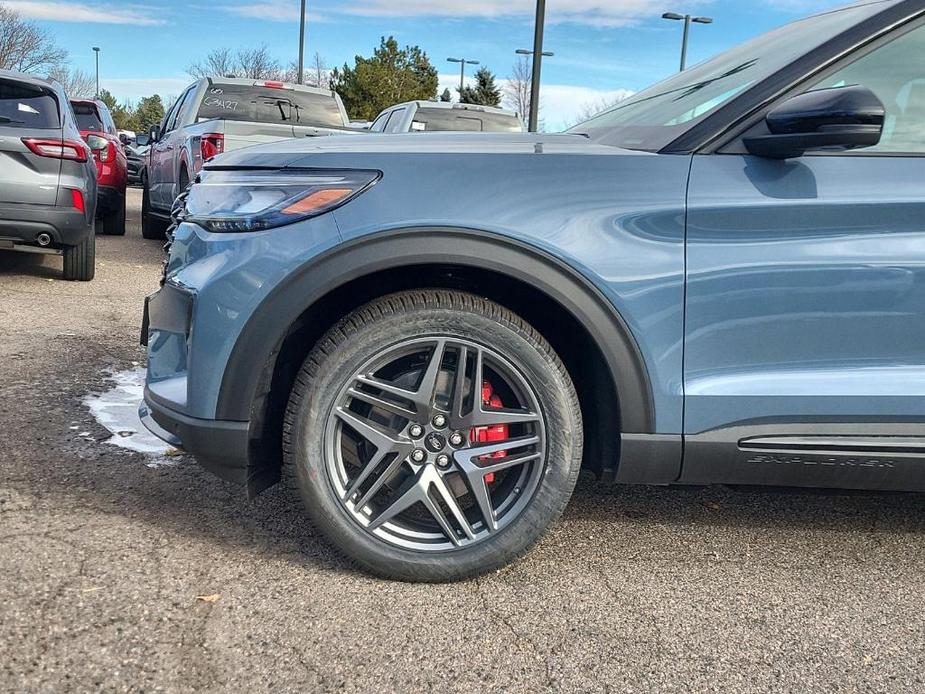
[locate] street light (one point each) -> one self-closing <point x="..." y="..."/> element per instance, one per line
<point x="96" y="49"/>
<point x="534" y="88"/>
<point x="462" y="70"/>
<point x="538" y="55"/>
<point x="687" y="19"/>
<point x="302" y="45"/>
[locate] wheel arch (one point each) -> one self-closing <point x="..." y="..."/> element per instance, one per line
<point x="582" y="325"/>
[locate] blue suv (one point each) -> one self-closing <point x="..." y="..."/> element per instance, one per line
<point x="719" y="280"/>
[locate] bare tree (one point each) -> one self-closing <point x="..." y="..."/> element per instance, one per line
<point x="75" y="82"/>
<point x="319" y="75"/>
<point x="589" y="109"/>
<point x="217" y="63"/>
<point x="257" y="63"/>
<point x="517" y="89"/>
<point x="24" y="46"/>
<point x="253" y="63"/>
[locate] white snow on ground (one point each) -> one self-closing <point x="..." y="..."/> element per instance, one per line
<point x="117" y="410"/>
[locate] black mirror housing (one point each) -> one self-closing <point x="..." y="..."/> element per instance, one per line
<point x="840" y="119"/>
<point x="154" y="133"/>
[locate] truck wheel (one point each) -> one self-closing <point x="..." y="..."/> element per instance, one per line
<point x="433" y="436"/>
<point x="114" y="224"/>
<point x="80" y="260"/>
<point x="152" y="228"/>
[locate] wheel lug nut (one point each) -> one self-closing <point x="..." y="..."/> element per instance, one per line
<point x="416" y="431"/>
<point x="443" y="460"/>
<point x="457" y="439"/>
<point x="439" y="421"/>
<point x="418" y="456"/>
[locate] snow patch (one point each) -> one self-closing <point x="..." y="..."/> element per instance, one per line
<point x="117" y="410"/>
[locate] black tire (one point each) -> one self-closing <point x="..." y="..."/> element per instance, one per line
<point x="152" y="228"/>
<point x="114" y="224"/>
<point x="409" y="315"/>
<point x="80" y="260"/>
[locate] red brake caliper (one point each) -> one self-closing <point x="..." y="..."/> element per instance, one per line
<point x="493" y="434"/>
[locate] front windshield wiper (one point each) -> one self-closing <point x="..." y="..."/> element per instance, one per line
<point x="694" y="88"/>
<point x="6" y="119"/>
<point x="688" y="89"/>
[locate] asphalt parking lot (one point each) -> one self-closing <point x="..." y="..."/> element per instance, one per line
<point x="104" y="560"/>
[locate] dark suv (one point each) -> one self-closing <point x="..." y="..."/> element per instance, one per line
<point x="47" y="175"/>
<point x="719" y="280"/>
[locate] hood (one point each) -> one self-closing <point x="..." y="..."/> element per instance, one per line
<point x="301" y="152"/>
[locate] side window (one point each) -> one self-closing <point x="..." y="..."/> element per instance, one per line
<point x="178" y="109"/>
<point x="895" y="72"/>
<point x="395" y="120"/>
<point x="379" y="124"/>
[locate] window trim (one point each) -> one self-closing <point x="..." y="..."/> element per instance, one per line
<point x="735" y="136"/>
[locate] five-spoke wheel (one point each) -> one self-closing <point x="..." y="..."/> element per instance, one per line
<point x="433" y="435"/>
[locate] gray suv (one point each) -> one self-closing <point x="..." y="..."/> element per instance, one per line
<point x="47" y="175"/>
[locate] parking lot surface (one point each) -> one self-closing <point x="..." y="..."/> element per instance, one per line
<point x="116" y="575"/>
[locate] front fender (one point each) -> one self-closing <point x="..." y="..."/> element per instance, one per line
<point x="254" y="353"/>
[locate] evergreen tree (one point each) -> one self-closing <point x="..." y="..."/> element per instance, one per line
<point x="485" y="92"/>
<point x="389" y="77"/>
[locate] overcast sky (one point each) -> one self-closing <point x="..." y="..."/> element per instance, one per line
<point x="603" y="47"/>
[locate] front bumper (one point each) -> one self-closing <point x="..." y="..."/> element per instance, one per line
<point x="220" y="447"/>
<point x="23" y="223"/>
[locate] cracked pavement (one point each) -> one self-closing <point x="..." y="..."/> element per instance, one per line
<point x="636" y="590"/>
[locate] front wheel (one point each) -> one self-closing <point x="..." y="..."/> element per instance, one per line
<point x="433" y="436"/>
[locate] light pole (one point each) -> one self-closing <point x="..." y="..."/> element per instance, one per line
<point x="534" y="116"/>
<point x="302" y="45"/>
<point x="687" y="19"/>
<point x="538" y="55"/>
<point x="462" y="70"/>
<point x="96" y="49"/>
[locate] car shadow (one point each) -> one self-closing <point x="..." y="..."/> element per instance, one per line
<point x="33" y="264"/>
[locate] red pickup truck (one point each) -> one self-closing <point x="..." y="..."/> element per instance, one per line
<point x="99" y="131"/>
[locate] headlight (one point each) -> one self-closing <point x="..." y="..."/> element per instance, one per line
<point x="254" y="200"/>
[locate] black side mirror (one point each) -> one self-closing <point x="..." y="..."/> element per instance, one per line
<point x="838" y="119"/>
<point x="154" y="134"/>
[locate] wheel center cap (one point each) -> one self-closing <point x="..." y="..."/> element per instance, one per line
<point x="435" y="442"/>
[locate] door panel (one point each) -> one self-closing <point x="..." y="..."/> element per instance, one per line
<point x="806" y="289"/>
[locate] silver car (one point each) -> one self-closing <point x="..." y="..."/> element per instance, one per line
<point x="47" y="175"/>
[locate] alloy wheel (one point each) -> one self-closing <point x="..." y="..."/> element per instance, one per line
<point x="435" y="443"/>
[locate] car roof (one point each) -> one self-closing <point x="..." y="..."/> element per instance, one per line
<point x="455" y="105"/>
<point x="249" y="82"/>
<point x="28" y="79"/>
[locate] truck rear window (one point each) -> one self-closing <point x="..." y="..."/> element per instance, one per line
<point x="23" y="106"/>
<point x="267" y="105"/>
<point x="451" y="119"/>
<point x="88" y="118"/>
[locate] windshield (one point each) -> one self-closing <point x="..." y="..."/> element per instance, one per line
<point x="651" y="119"/>
<point x="446" y="119"/>
<point x="268" y="105"/>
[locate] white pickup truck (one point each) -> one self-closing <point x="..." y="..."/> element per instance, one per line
<point x="220" y="114"/>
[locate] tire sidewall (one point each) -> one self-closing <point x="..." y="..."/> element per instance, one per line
<point x="536" y="362"/>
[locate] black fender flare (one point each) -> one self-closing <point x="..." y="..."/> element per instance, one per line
<point x="255" y="350"/>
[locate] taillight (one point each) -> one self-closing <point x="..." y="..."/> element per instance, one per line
<point x="274" y="85"/>
<point x="211" y="145"/>
<point x="57" y="149"/>
<point x="77" y="200"/>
